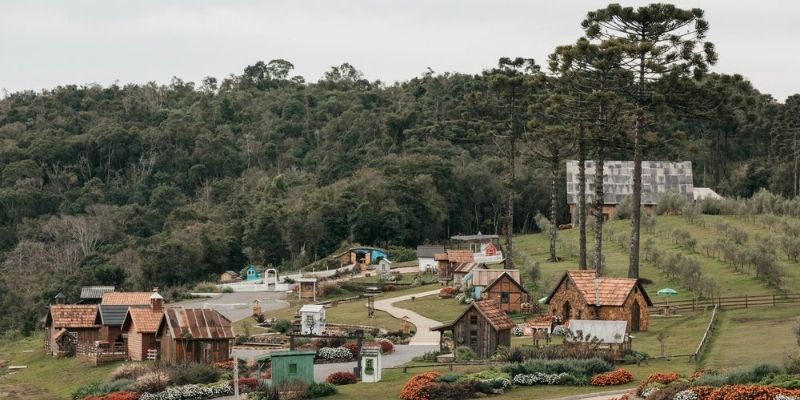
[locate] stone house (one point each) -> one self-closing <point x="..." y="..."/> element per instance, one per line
<point x="482" y="327"/>
<point x="581" y="294"/>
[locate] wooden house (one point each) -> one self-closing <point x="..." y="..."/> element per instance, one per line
<point x="479" y="279"/>
<point x="425" y="258"/>
<point x="582" y="295"/>
<point x="194" y="335"/>
<point x="362" y="256"/>
<point x="288" y="366"/>
<point x="70" y="325"/>
<point x="93" y="294"/>
<point x="307" y="289"/>
<point x="229" y="276"/>
<point x="449" y="261"/>
<point x="112" y="309"/>
<point x="507" y="292"/>
<point x="462" y="270"/>
<point x="482" y="327"/>
<point x="139" y="327"/>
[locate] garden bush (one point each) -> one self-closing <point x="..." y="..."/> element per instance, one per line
<point x="739" y="392"/>
<point x="341" y="378"/>
<point x="91" y="389"/>
<point x="119" y="385"/>
<point x="669" y="391"/>
<point x="115" y="396"/>
<point x="786" y="381"/>
<point x="419" y="386"/>
<point x="741" y="376"/>
<point x="577" y="368"/>
<point x="152" y="382"/>
<point x="321" y="389"/>
<point x="194" y="373"/>
<point x="429" y="356"/>
<point x="450" y="377"/>
<point x="464" y="353"/>
<point x="246" y="384"/>
<point x="129" y="371"/>
<point x="450" y="391"/>
<point x="447" y="292"/>
<point x="388" y="287"/>
<point x="334" y="353"/>
<point x="353" y="347"/>
<point x="538" y="378"/>
<point x="282" y="326"/>
<point x="386" y="346"/>
<point x="662" y="378"/>
<point x="617" y="377"/>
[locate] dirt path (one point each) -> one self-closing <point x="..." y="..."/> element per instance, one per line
<point x="423" y="335"/>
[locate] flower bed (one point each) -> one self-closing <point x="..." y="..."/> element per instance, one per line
<point x="661" y="378"/>
<point x="190" y="392"/>
<point x="419" y="386"/>
<point x="738" y="392"/>
<point x="539" y="378"/>
<point x="447" y="292"/>
<point x="115" y="396"/>
<point x="341" y="378"/>
<point x="617" y="377"/>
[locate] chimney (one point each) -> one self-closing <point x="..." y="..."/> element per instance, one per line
<point x="156" y="301"/>
<point x="60" y="298"/>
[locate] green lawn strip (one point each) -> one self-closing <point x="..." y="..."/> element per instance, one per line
<point x="442" y="310"/>
<point x="753" y="335"/>
<point x="59" y="377"/>
<point x="683" y="334"/>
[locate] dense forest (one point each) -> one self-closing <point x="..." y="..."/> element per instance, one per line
<point x="168" y="185"/>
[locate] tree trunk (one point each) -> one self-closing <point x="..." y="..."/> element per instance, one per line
<point x="597" y="256"/>
<point x="636" y="200"/>
<point x="581" y="197"/>
<point x="553" y="206"/>
<point x="509" y="264"/>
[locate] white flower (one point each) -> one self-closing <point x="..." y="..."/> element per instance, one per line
<point x="686" y="395"/>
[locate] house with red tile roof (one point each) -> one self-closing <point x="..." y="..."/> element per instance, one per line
<point x="68" y="325"/>
<point x="126" y="298"/>
<point x="140" y="326"/>
<point x="580" y="294"/>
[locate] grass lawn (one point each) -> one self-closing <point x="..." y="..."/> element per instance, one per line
<point x="683" y="334"/>
<point x="57" y="378"/>
<point x="753" y="335"/>
<point x="442" y="310"/>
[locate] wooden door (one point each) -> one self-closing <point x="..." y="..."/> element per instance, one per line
<point x="635" y="312"/>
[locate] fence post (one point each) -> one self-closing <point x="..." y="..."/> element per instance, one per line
<point x="745" y="301"/>
<point x="694" y="303"/>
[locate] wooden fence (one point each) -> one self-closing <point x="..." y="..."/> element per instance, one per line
<point x="731" y="302"/>
<point x="101" y="354"/>
<point x="706" y="336"/>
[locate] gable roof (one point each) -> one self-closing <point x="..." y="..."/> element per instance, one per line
<point x="127" y="298"/>
<point x="511" y="278"/>
<point x="313" y="308"/>
<point x="609" y="332"/>
<point x="469" y="266"/>
<point x="456" y="256"/>
<point x="113" y="314"/>
<point x="601" y="291"/>
<point x="73" y="316"/>
<point x="483" y="277"/>
<point x="496" y="317"/>
<point x="145" y="319"/>
<point x="429" y="250"/>
<point x="231" y="273"/>
<point x="95" y="292"/>
<point x="195" y="323"/>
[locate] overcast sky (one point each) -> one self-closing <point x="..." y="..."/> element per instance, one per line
<point x="49" y="43"/>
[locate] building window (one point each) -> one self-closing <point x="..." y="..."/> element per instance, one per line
<point x="292" y="368"/>
<point x="504" y="298"/>
<point x="473" y="337"/>
<point x="473" y="319"/>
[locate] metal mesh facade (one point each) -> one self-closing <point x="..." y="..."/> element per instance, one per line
<point x="657" y="177"/>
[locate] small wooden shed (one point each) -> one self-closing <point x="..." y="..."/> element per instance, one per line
<point x="290" y="366"/>
<point x="482" y="327"/>
<point x="140" y="325"/>
<point x="307" y="289"/>
<point x="194" y="335"/>
<point x="68" y="325"/>
<point x="229" y="276"/>
<point x="462" y="270"/>
<point x="582" y="295"/>
<point x="449" y="261"/>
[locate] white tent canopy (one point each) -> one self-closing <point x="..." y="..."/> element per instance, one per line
<point x="609" y="332"/>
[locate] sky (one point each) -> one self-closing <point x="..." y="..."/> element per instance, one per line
<point x="44" y="44"/>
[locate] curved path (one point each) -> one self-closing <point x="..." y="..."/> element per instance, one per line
<point x="423" y="335"/>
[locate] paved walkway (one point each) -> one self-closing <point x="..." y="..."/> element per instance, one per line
<point x="239" y="305"/>
<point x="423" y="335"/>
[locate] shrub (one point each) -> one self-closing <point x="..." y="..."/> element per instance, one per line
<point x="227" y="289"/>
<point x="618" y="377"/>
<point x="450" y="377"/>
<point x="194" y="373"/>
<point x="91" y="389"/>
<point x="353" y="347"/>
<point x="510" y="355"/>
<point x="388" y="287"/>
<point x="742" y="392"/>
<point x="248" y="384"/>
<point x="669" y="391"/>
<point x="576" y="368"/>
<point x="341" y="378"/>
<point x="115" y="396"/>
<point x="330" y="289"/>
<point x="322" y="389"/>
<point x="119" y="385"/>
<point x="447" y="292"/>
<point x="190" y="392"/>
<point x="152" y="382"/>
<point x="782" y="381"/>
<point x="662" y="378"/>
<point x="419" y="386"/>
<point x="386" y="346"/>
<point x="282" y="326"/>
<point x="429" y="356"/>
<point x="129" y="371"/>
<point x="334" y="353"/>
<point x="538" y="378"/>
<point x="464" y="353"/>
<point x="449" y="391"/>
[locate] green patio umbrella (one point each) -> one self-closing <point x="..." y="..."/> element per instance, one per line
<point x="667" y="292"/>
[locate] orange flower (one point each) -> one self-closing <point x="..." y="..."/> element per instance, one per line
<point x="617" y="377"/>
<point x="418" y="387"/>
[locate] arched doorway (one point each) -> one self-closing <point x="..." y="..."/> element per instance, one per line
<point x="635" y="312"/>
<point x="567" y="311"/>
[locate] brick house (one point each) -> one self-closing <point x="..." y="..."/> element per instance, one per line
<point x="482" y="327"/>
<point x="194" y="335"/>
<point x="582" y="295"/>
<point x="507" y="293"/>
<point x="140" y="325"/>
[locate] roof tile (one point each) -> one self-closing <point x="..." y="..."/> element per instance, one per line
<point x="127" y="298"/>
<point x="146" y="320"/>
<point x="73" y="315"/>
<point x="609" y="291"/>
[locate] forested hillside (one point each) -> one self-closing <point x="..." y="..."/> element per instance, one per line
<point x="148" y="185"/>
